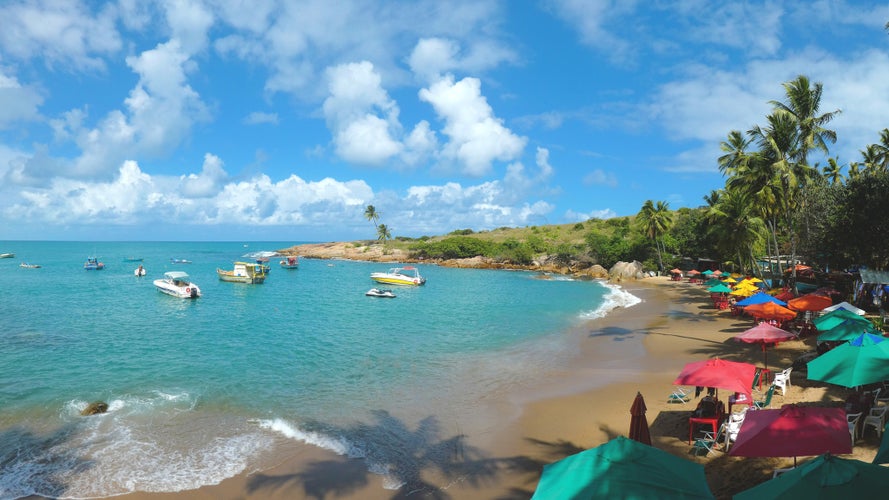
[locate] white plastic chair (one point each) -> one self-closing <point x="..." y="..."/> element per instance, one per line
<point x="876" y="418"/>
<point x="852" y="419"/>
<point x="782" y="380"/>
<point x="733" y="426"/>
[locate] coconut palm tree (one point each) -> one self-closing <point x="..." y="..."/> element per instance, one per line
<point x="736" y="226"/>
<point x="383" y="233"/>
<point x="882" y="149"/>
<point x="735" y="148"/>
<point x="833" y="172"/>
<point x="655" y="220"/>
<point x="871" y="158"/>
<point x="803" y="103"/>
<point x="371" y="214"/>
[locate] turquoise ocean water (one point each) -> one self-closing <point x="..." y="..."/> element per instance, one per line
<point x="201" y="390"/>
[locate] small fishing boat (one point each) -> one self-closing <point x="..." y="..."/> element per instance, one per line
<point x="29" y="266"/>
<point x="133" y="259"/>
<point x="407" y="275"/>
<point x="290" y="262"/>
<point x="243" y="272"/>
<point x="376" y="292"/>
<point x="6" y="255"/>
<point x="93" y="264"/>
<point x="177" y="284"/>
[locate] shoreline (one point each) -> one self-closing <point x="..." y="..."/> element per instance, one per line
<point x="578" y="406"/>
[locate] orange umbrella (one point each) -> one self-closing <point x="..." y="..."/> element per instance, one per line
<point x="638" y="423"/>
<point x="810" y="302"/>
<point x="770" y="310"/>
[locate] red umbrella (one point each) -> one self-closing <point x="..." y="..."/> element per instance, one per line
<point x="793" y="431"/>
<point x="719" y="373"/>
<point x="770" y="310"/>
<point x="763" y="334"/>
<point x="810" y="302"/>
<point x="638" y="423"/>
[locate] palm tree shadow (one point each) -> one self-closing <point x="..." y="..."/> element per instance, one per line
<point x="22" y="449"/>
<point x="405" y="456"/>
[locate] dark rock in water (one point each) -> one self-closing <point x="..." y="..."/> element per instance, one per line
<point x="94" y="408"/>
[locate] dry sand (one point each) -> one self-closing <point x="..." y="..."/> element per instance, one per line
<point x="582" y="405"/>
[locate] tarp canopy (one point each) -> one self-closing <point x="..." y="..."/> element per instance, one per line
<point x="877" y="277"/>
<point x="844" y="305"/>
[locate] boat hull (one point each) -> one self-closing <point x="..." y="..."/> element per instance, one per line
<point x="230" y="278"/>
<point x="395" y="280"/>
<point x="190" y="291"/>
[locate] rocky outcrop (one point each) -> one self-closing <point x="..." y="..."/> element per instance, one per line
<point x="625" y="271"/>
<point x="94" y="408"/>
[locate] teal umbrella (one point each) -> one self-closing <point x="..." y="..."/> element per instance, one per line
<point x="720" y="288"/>
<point x="861" y="361"/>
<point x="834" y="318"/>
<point x="713" y="282"/>
<point x="824" y="477"/>
<point x="847" y="330"/>
<point x="622" y="468"/>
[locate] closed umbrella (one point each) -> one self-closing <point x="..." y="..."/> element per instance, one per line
<point x="810" y="302"/>
<point x="639" y="430"/>
<point x="622" y="468"/>
<point x="847" y="330"/>
<point x="861" y="361"/>
<point x="719" y="373"/>
<point x="763" y="334"/>
<point x="793" y="431"/>
<point x="824" y="477"/>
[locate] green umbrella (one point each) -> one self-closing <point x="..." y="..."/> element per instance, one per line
<point x="622" y="468"/>
<point x="720" y="288"/>
<point x="713" y="282"/>
<point x="834" y="318"/>
<point x="847" y="330"/>
<point x="882" y="456"/>
<point x="861" y="361"/>
<point x="824" y="477"/>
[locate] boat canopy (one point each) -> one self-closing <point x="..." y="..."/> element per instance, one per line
<point x="176" y="275"/>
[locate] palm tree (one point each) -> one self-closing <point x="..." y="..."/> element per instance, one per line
<point x="383" y="233"/>
<point x="883" y="149"/>
<point x="854" y="171"/>
<point x="655" y="220"/>
<point x="735" y="157"/>
<point x="371" y="214"/>
<point x="833" y="172"/>
<point x="871" y="158"/>
<point x="736" y="226"/>
<point x="803" y="103"/>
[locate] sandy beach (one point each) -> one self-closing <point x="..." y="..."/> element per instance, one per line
<point x="581" y="405"/>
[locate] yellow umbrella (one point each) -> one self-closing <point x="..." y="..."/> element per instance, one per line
<point x="730" y="280"/>
<point x="743" y="291"/>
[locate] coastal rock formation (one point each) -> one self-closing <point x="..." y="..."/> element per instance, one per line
<point x="595" y="271"/>
<point x="623" y="271"/>
<point x="94" y="408"/>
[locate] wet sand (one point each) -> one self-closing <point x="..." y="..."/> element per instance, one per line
<point x="578" y="406"/>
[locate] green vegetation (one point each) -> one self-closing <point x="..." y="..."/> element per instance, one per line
<point x="773" y="203"/>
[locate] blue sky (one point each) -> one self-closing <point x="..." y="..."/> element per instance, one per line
<point x="282" y="120"/>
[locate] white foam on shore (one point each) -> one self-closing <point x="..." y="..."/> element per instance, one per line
<point x="616" y="297"/>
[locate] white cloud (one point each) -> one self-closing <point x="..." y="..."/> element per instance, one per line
<point x="258" y="118"/>
<point x="59" y="33"/>
<point x="433" y="57"/>
<point x="606" y="213"/>
<point x="599" y="177"/>
<point x="17" y="102"/>
<point x="476" y="137"/>
<point x="208" y="182"/>
<point x="189" y="21"/>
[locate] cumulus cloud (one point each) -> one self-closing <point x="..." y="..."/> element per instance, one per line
<point x="258" y="118"/>
<point x="17" y="102"/>
<point x="433" y="57"/>
<point x="476" y="137"/>
<point x="605" y="213"/>
<point x="189" y="21"/>
<point x="208" y="182"/>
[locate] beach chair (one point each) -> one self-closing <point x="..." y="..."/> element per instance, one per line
<point x="767" y="401"/>
<point x="782" y="380"/>
<point x="679" y="395"/>
<point x="876" y="418"/>
<point x="733" y="426"/>
<point x="852" y="419"/>
<point x="708" y="441"/>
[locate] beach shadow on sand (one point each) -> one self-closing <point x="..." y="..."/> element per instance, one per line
<point x="408" y="457"/>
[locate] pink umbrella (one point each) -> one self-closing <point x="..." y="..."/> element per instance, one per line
<point x="793" y="431"/>
<point x="763" y="334"/>
<point x="719" y="373"/>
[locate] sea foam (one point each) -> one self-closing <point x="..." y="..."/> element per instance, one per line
<point x="614" y="298"/>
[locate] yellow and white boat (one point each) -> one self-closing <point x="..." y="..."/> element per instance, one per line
<point x="407" y="275"/>
<point x="244" y="272"/>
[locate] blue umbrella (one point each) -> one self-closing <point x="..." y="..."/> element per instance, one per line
<point x="760" y="298"/>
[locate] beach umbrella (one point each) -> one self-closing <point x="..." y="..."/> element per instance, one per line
<point x="730" y="280"/>
<point x="742" y="290"/>
<point x="844" y="305"/>
<point x="834" y="318"/>
<point x="707" y="272"/>
<point x="720" y="288"/>
<point x="847" y="330"/>
<point x="712" y="282"/>
<point x="861" y="361"/>
<point x="793" y="431"/>
<point x="622" y="468"/>
<point x="693" y="272"/>
<point x="824" y="477"/>
<point x="760" y="298"/>
<point x="770" y="310"/>
<point x="763" y="334"/>
<point x="810" y="302"/>
<point x="882" y="456"/>
<point x="639" y="430"/>
<point x="719" y="373"/>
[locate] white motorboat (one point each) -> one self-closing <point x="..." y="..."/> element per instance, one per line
<point x="177" y="284"/>
<point x="407" y="275"/>
<point x="376" y="292"/>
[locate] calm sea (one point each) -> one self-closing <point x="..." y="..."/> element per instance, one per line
<point x="201" y="390"/>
